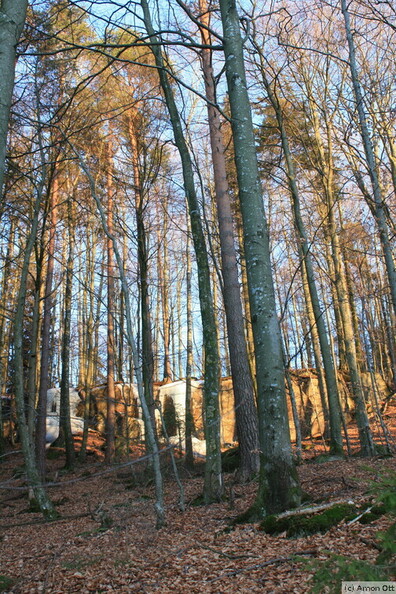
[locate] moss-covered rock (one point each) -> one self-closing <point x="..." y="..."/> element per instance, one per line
<point x="305" y="524"/>
<point x="376" y="512"/>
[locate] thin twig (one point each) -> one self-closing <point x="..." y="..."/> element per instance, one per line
<point x="264" y="564"/>
<point x="45" y="521"/>
<point x="225" y="554"/>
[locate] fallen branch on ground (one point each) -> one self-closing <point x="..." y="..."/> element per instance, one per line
<point x="275" y="561"/>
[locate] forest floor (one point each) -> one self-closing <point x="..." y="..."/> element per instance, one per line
<point x="106" y="541"/>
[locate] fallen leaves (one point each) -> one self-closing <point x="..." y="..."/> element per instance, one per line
<point x="194" y="553"/>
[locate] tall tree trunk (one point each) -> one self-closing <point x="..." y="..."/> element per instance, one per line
<point x="304" y="247"/>
<point x="315" y="343"/>
<point x="110" y="416"/>
<point x="34" y="367"/>
<point x="65" y="424"/>
<point x="159" y="504"/>
<point x="143" y="260"/>
<point x="28" y="448"/>
<point x="246" y="305"/>
<point x="189" y="421"/>
<point x="245" y="409"/>
<point x="342" y="294"/>
<point x="44" y="385"/>
<point x="213" y="477"/>
<point x="163" y="278"/>
<point x="12" y="19"/>
<point x="88" y="374"/>
<point x="278" y="485"/>
<point x="377" y="200"/>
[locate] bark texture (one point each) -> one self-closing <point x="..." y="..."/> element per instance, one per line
<point x="278" y="486"/>
<point x="12" y="20"/>
<point x="213" y="477"/>
<point x="245" y="409"/>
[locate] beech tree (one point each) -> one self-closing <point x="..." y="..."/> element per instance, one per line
<point x="245" y="410"/>
<point x="279" y="486"/>
<point x="377" y="199"/>
<point x="213" y="476"/>
<point x="12" y="20"/>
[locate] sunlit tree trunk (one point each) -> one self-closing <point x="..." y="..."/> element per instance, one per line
<point x="213" y="476"/>
<point x="304" y="247"/>
<point x="65" y="424"/>
<point x="245" y="410"/>
<point x="46" y="328"/>
<point x="279" y="485"/>
<point x="12" y="19"/>
<point x="143" y="261"/>
<point x="377" y="200"/>
<point x="110" y="417"/>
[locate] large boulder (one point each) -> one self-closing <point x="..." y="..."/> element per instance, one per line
<point x="126" y="408"/>
<point x="52" y="427"/>
<point x="53" y="401"/>
<point x="53" y="412"/>
<point x="172" y="399"/>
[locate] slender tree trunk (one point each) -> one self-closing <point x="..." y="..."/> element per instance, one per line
<point x="110" y="416"/>
<point x="89" y="373"/>
<point x="342" y="295"/>
<point x="315" y="344"/>
<point x="189" y="421"/>
<point x="377" y="201"/>
<point x="34" y="367"/>
<point x="179" y="327"/>
<point x="331" y="380"/>
<point x="150" y="436"/>
<point x="6" y="300"/>
<point x="28" y="449"/>
<point x="143" y="260"/>
<point x="213" y="477"/>
<point x="278" y="486"/>
<point x="163" y="276"/>
<point x="65" y="424"/>
<point x="246" y="306"/>
<point x="245" y="409"/>
<point x="44" y="385"/>
<point x="82" y="338"/>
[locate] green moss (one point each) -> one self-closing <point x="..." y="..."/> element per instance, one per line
<point x="34" y="507"/>
<point x="329" y="576"/>
<point x="376" y="512"/>
<point x="255" y="513"/>
<point x="305" y="524"/>
<point x="6" y="583"/>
